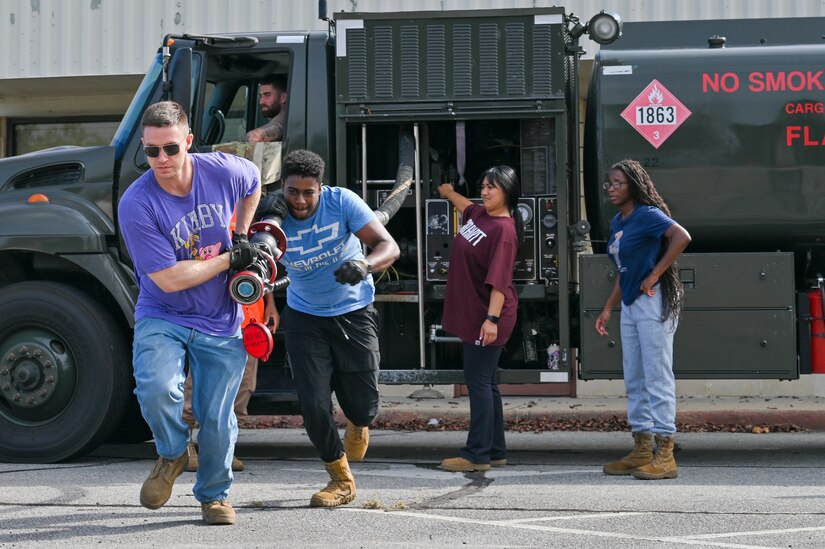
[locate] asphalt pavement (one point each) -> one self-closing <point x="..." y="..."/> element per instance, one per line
<point x="747" y="490"/>
<point x="734" y="490"/>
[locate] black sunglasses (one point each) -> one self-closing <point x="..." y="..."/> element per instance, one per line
<point x="153" y="151"/>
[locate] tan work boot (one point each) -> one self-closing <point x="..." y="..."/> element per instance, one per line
<point x="218" y="512"/>
<point x="461" y="465"/>
<point x="642" y="454"/>
<point x="356" y="440"/>
<point x="158" y="486"/>
<point x="192" y="464"/>
<point x="663" y="464"/>
<point x="341" y="487"/>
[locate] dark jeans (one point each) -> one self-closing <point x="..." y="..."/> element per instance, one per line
<point x="338" y="354"/>
<point x="485" y="441"/>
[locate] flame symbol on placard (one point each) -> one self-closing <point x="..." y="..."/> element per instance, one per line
<point x="655" y="96"/>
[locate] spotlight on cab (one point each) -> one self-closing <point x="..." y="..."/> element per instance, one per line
<point x="605" y="27"/>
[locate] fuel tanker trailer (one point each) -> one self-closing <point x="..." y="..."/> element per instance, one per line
<point x="728" y="119"/>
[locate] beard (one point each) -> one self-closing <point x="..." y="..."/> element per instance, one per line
<point x="271" y="112"/>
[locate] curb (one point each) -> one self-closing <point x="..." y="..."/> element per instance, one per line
<point x="807" y="420"/>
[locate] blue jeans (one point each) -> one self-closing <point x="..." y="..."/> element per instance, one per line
<point x="647" y="361"/>
<point x="485" y="439"/>
<point x="160" y="351"/>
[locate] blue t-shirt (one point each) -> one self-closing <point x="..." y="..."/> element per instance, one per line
<point x="317" y="246"/>
<point x="634" y="247"/>
<point x="161" y="229"/>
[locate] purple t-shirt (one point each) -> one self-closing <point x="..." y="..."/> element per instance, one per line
<point x="161" y="229"/>
<point x="482" y="258"/>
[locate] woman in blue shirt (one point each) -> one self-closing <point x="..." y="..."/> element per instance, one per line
<point x="644" y="245"/>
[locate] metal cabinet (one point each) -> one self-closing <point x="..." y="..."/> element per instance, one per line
<point x="738" y="322"/>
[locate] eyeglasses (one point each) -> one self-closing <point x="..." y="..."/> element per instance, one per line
<point x="615" y="185"/>
<point x="153" y="151"/>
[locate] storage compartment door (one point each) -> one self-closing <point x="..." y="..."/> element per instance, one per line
<point x="738" y="321"/>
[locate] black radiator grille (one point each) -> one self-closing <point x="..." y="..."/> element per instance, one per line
<point x="542" y="60"/>
<point x="516" y="77"/>
<point x="488" y="58"/>
<point x="383" y="54"/>
<point x="436" y="61"/>
<point x="463" y="60"/>
<point x="410" y="62"/>
<point x="47" y="176"/>
<point x="357" y="54"/>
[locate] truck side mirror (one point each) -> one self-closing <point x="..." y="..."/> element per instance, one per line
<point x="178" y="87"/>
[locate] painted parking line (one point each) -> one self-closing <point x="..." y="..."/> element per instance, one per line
<point x="684" y="540"/>
<point x="405" y="470"/>
<point x="573" y="517"/>
<point x="749" y="533"/>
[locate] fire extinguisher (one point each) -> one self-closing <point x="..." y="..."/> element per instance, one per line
<point x="816" y="297"/>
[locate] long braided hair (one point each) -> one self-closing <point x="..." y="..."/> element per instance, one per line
<point x="642" y="191"/>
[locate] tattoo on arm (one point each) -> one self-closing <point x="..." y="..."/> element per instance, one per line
<point x="271" y="131"/>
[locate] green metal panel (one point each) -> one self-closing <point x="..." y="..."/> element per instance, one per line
<point x="443" y="60"/>
<point x="744" y="171"/>
<point x="738" y="322"/>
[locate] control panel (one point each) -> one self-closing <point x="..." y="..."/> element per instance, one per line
<point x="443" y="223"/>
<point x="441" y="227"/>
<point x="547" y="241"/>
<point x="379" y="196"/>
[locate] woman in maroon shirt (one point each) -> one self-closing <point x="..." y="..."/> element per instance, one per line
<point x="480" y="307"/>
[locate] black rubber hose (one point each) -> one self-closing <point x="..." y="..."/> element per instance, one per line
<point x="403" y="177"/>
<point x="281" y="283"/>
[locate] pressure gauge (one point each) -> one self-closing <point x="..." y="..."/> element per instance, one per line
<point x="526" y="213"/>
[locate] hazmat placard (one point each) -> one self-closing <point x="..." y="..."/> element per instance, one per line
<point x="656" y="113"/>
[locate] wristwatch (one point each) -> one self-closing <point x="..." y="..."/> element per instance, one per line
<point x="493" y="319"/>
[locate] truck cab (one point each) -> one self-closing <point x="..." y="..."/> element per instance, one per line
<point x="67" y="290"/>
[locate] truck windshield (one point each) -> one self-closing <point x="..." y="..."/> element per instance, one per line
<point x="131" y="120"/>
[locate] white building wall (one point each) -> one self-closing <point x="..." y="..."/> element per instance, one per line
<point x="59" y="38"/>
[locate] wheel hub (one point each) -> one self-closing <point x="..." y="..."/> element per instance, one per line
<point x="28" y="374"/>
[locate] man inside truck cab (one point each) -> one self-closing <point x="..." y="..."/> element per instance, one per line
<point x="272" y="100"/>
<point x="175" y="222"/>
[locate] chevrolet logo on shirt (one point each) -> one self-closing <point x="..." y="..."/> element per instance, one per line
<point x="311" y="234"/>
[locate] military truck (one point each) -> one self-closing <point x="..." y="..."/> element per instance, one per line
<point x="397" y="104"/>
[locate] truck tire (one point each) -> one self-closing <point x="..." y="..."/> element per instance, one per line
<point x="64" y="373"/>
<point x="132" y="428"/>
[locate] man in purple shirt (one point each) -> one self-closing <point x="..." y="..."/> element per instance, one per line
<point x="175" y="222"/>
